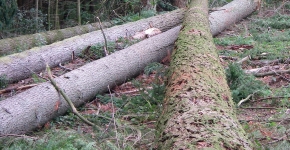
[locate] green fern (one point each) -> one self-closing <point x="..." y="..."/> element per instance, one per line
<point x="242" y="84"/>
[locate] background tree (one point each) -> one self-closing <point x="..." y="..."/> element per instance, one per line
<point x="79" y="12"/>
<point x="8" y="10"/>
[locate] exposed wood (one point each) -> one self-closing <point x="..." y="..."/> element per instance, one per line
<point x="36" y="106"/>
<point x="198" y="111"/>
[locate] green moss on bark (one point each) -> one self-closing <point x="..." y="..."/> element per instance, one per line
<point x="198" y="108"/>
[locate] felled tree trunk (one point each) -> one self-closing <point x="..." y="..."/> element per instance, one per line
<point x="198" y="107"/>
<point x="20" y="66"/>
<point x="36" y="106"/>
<point x="25" y="42"/>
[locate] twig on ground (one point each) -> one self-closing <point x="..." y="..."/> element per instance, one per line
<point x="106" y="44"/>
<point x="244" y="59"/>
<point x="277" y="139"/>
<point x="269" y="62"/>
<point x="258" y="108"/>
<point x="263" y="120"/>
<point x="244" y="100"/>
<point x="271" y="73"/>
<point x="266" y="98"/>
<point x="17" y="88"/>
<point x="113" y="117"/>
<point x="75" y="111"/>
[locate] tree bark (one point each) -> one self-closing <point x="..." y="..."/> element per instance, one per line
<point x="56" y="19"/>
<point x="198" y="108"/>
<point x="12" y="66"/>
<point x="18" y="66"/>
<point x="25" y="42"/>
<point x="34" y="107"/>
<point x="231" y="13"/>
<point x="79" y="12"/>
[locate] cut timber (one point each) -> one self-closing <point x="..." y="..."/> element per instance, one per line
<point x="20" y="66"/>
<point x="231" y="13"/>
<point x="25" y="42"/>
<point x="198" y="111"/>
<point x="34" y="107"/>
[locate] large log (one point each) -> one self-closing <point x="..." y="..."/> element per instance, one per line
<point x="25" y="42"/>
<point x="231" y="13"/>
<point x="198" y="111"/>
<point x="34" y="107"/>
<point x="21" y="65"/>
<point x="18" y="66"/>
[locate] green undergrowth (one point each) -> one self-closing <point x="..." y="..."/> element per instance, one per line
<point x="130" y="126"/>
<point x="133" y="17"/>
<point x="242" y="84"/>
<point x="53" y="139"/>
<point x="268" y="35"/>
<point x="3" y="82"/>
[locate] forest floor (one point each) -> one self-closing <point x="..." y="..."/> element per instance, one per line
<point x="128" y="113"/>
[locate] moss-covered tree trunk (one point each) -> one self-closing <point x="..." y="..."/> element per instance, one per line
<point x="198" y="108"/>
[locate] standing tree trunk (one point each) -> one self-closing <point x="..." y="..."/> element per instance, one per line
<point x="36" y="15"/>
<point x="48" y="15"/>
<point x="56" y="24"/>
<point x="79" y="12"/>
<point x="180" y="3"/>
<point x="198" y="108"/>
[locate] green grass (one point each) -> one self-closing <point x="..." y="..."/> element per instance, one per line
<point x="268" y="35"/>
<point x="54" y="140"/>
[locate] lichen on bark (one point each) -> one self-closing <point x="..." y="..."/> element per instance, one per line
<point x="198" y="109"/>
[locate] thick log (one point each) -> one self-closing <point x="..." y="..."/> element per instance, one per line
<point x="25" y="42"/>
<point x="34" y="107"/>
<point x="20" y="66"/>
<point x="198" y="111"/>
<point x="231" y="13"/>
